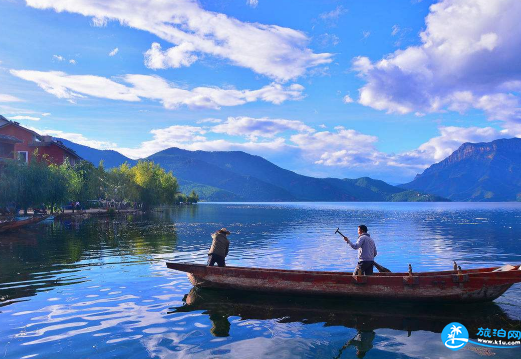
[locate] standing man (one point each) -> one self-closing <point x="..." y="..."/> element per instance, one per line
<point x="219" y="249"/>
<point x="366" y="250"/>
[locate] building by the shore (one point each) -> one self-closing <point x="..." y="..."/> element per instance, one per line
<point x="18" y="142"/>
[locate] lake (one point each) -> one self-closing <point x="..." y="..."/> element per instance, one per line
<point x="99" y="288"/>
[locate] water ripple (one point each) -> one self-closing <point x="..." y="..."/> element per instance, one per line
<point x="99" y="287"/>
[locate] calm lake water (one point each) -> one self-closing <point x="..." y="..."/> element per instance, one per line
<point x="99" y="288"/>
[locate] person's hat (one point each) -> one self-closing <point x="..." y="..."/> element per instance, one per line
<point x="224" y="230"/>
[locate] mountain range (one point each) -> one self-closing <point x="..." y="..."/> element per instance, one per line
<point x="489" y="171"/>
<point x="238" y="176"/>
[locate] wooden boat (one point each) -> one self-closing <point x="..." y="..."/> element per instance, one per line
<point x="12" y="225"/>
<point x="473" y="285"/>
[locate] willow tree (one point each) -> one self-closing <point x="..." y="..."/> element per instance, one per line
<point x="9" y="183"/>
<point x="25" y="184"/>
<point x="90" y="179"/>
<point x="58" y="184"/>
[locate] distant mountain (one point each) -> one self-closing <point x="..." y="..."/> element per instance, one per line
<point x="476" y="172"/>
<point x="222" y="169"/>
<point x="238" y="176"/>
<point x="253" y="178"/>
<point x="110" y="158"/>
<point x="190" y="168"/>
<point x="208" y="192"/>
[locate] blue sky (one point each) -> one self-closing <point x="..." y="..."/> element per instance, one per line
<point x="324" y="88"/>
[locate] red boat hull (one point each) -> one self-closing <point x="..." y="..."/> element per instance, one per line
<point x="9" y="226"/>
<point x="476" y="285"/>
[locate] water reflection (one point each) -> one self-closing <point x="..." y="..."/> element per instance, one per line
<point x="58" y="253"/>
<point x="362" y="341"/>
<point x="361" y="315"/>
<point x="98" y="287"/>
<point x="366" y="317"/>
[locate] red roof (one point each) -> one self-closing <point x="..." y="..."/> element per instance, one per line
<point x="56" y="143"/>
<point x="9" y="139"/>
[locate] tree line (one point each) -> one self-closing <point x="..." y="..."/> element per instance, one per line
<point x="43" y="184"/>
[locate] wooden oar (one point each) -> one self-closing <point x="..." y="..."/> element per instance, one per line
<point x="380" y="268"/>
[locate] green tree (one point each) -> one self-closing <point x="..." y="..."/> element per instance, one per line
<point x="74" y="183"/>
<point x="57" y="193"/>
<point x="32" y="181"/>
<point x="90" y="179"/>
<point x="121" y="184"/>
<point x="42" y="182"/>
<point x="169" y="187"/>
<point x="181" y="198"/>
<point x="9" y="183"/>
<point x="192" y="197"/>
<point x="147" y="175"/>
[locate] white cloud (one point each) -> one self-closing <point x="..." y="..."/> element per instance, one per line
<point x="173" y="136"/>
<point x="399" y="34"/>
<point x="46" y="114"/>
<point x="172" y="97"/>
<point x="177" y="56"/>
<point x="347" y="99"/>
<point x="259" y="127"/>
<point x="209" y="120"/>
<point x="114" y="52"/>
<point x="9" y="98"/>
<point x="277" y="52"/>
<point x="179" y="134"/>
<point x="362" y="65"/>
<point x="333" y="15"/>
<point x="19" y="117"/>
<point x="61" y="58"/>
<point x="351" y="149"/>
<point x="327" y="39"/>
<point x="99" y="21"/>
<point x="191" y="138"/>
<point x="252" y="3"/>
<point x="469" y="58"/>
<point x="72" y="87"/>
<point x="343" y="148"/>
<point x="366" y="34"/>
<point x="396" y="30"/>
<point x="76" y="138"/>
